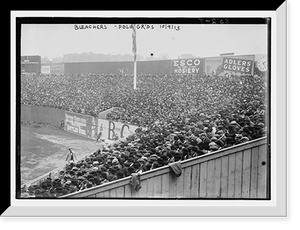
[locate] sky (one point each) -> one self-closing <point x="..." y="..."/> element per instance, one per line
<point x="53" y="40"/>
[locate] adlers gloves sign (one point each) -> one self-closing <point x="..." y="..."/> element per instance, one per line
<point x="237" y="65"/>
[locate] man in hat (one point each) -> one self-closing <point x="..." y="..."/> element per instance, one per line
<point x="71" y="157"/>
<point x="213" y="146"/>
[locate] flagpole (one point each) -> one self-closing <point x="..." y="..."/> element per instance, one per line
<point x="134" y="74"/>
<point x="134" y="55"/>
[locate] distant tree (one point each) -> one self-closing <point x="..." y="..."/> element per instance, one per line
<point x="57" y="59"/>
<point x="164" y="56"/>
<point x="45" y="60"/>
<point x="98" y="57"/>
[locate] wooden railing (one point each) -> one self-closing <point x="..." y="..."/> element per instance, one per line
<point x="241" y="171"/>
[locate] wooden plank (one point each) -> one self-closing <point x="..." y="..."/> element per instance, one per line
<point x="210" y="178"/>
<point x="202" y="180"/>
<point x="150" y="188"/>
<point x="254" y="164"/>
<point x="172" y="186"/>
<point x="120" y="191"/>
<point x="187" y="183"/>
<point x="246" y="173"/>
<point x="112" y="193"/>
<point x="157" y="186"/>
<point x="217" y="179"/>
<point x="127" y="191"/>
<point x="99" y="195"/>
<point x="195" y="181"/>
<point x="238" y="175"/>
<point x="179" y="187"/>
<point x="165" y="180"/>
<point x="224" y="176"/>
<point x="262" y="172"/>
<point x="106" y="194"/>
<point x="231" y="175"/>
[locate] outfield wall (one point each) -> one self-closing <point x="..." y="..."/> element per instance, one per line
<point x="219" y="65"/>
<point x="79" y="124"/>
<point x="90" y="127"/>
<point x="118" y="67"/>
<point x="42" y="114"/>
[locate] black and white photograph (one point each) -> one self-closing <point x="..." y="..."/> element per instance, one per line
<point x="144" y="108"/>
<point x="148" y="113"/>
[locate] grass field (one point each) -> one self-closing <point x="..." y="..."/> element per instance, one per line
<point x="44" y="148"/>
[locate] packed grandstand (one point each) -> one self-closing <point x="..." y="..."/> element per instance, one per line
<point x="180" y="117"/>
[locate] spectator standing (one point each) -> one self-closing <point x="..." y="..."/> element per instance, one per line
<point x="71" y="157"/>
<point x="100" y="133"/>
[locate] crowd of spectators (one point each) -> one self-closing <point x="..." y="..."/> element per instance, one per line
<point x="180" y="117"/>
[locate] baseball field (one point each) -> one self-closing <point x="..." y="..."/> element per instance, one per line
<point x="45" y="148"/>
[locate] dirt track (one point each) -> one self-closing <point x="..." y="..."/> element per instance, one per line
<point x="44" y="148"/>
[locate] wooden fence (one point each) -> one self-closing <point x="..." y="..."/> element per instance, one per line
<point x="42" y="114"/>
<point x="241" y="171"/>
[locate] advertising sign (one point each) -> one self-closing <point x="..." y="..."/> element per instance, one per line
<point x="29" y="60"/>
<point x="57" y="68"/>
<point x="188" y="66"/>
<point x="31" y="64"/>
<point x="212" y="66"/>
<point x="241" y="64"/>
<point x="111" y="130"/>
<point x="45" y="69"/>
<point x="80" y="124"/>
<point x="237" y="65"/>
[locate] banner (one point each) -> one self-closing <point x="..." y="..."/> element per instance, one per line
<point x="111" y="130"/>
<point x="80" y="124"/>
<point x="45" y="69"/>
<point x="188" y="66"/>
<point x="213" y="65"/>
<point x="238" y="64"/>
<point x="90" y="127"/>
<point x="57" y="68"/>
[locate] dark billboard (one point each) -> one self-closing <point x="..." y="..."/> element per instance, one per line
<point x="234" y="64"/>
<point x="125" y="67"/>
<point x="31" y="64"/>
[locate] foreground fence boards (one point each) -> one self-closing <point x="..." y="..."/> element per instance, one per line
<point x="237" y="172"/>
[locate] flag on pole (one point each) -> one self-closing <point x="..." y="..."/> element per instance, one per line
<point x="134" y="41"/>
